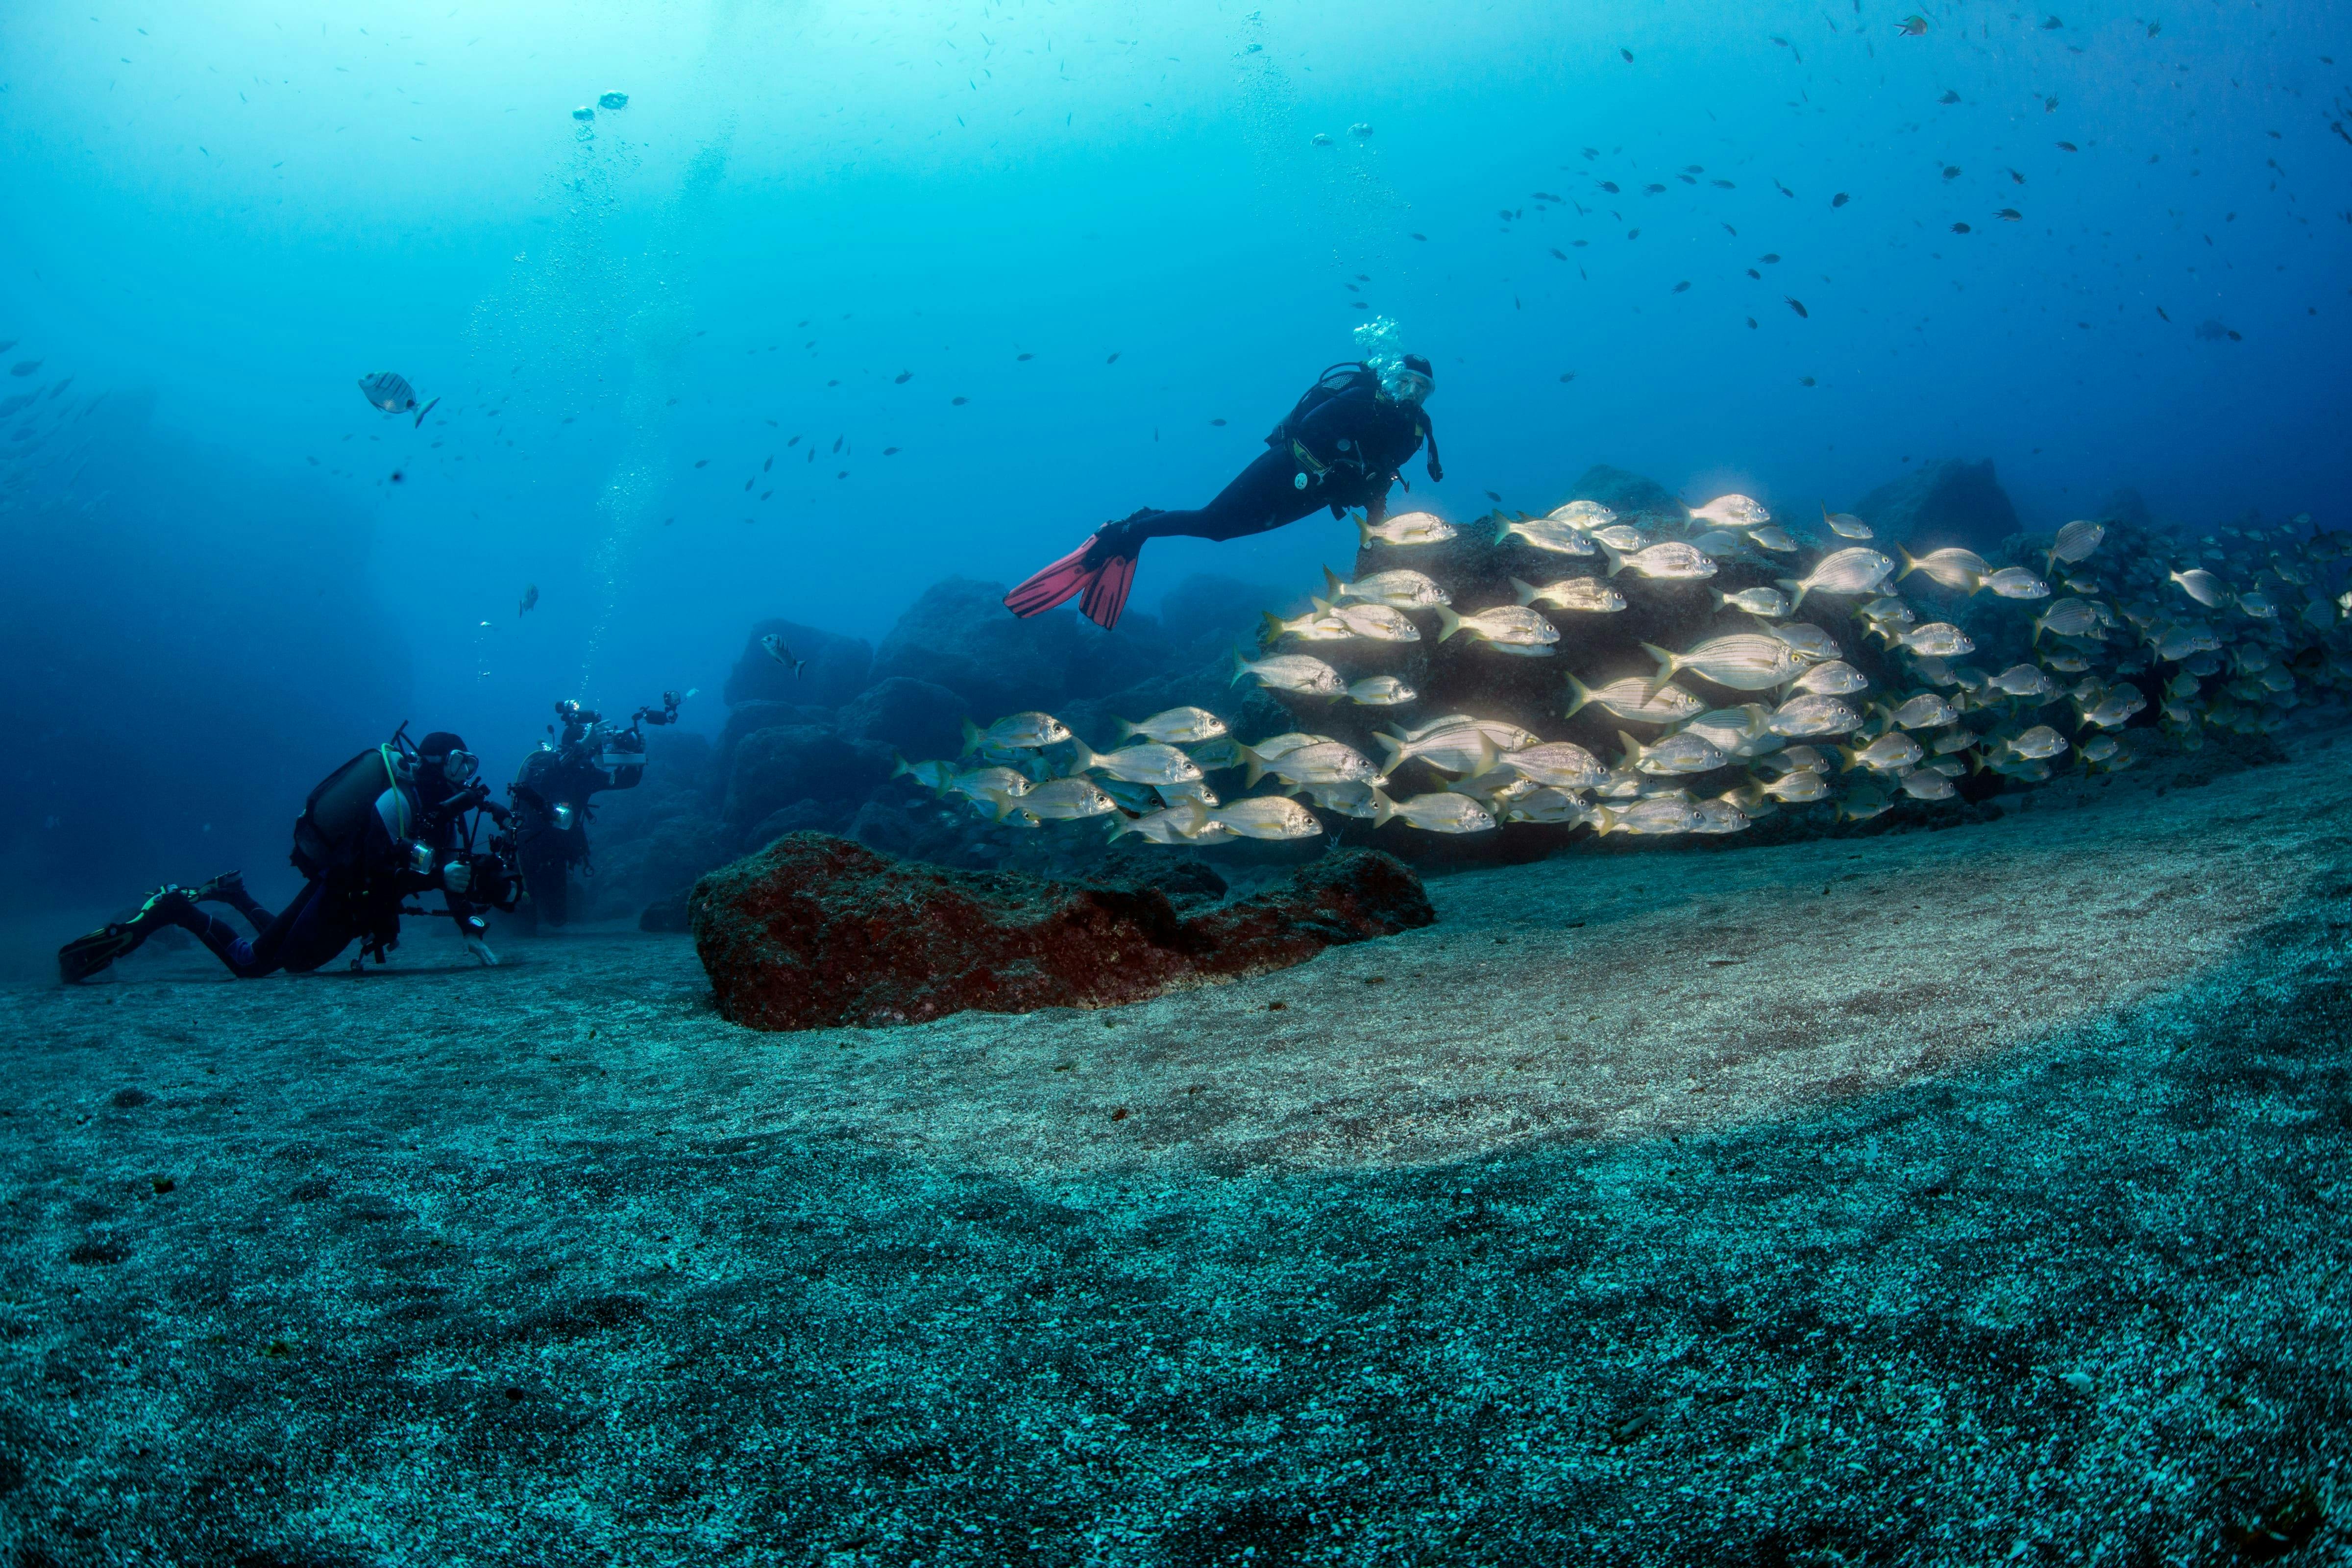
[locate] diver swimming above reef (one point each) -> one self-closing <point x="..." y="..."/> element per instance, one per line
<point x="1341" y="446"/>
<point x="396" y="820"/>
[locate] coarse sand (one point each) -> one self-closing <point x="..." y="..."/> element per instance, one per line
<point x="1964" y="1195"/>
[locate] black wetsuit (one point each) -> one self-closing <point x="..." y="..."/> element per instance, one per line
<point x="1354" y="445"/>
<point x="569" y="775"/>
<point x="360" y="901"/>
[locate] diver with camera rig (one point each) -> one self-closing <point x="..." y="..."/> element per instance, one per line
<point x="550" y="796"/>
<point x="402" y="818"/>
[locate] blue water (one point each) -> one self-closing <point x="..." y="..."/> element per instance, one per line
<point x="214" y="219"/>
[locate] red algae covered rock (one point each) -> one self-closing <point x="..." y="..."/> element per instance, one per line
<point x="815" y="932"/>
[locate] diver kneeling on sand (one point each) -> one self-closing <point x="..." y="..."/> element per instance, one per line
<point x="396" y="820"/>
<point x="1340" y="447"/>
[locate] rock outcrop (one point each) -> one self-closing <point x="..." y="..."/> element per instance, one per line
<point x="817" y="932"/>
<point x="835" y="667"/>
<point x="916" y="717"/>
<point x="1945" y="503"/>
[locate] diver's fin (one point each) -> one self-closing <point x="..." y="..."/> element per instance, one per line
<point x="87" y="955"/>
<point x="1106" y="592"/>
<point x="1063" y="580"/>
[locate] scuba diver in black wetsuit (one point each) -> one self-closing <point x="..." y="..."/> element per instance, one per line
<point x="396" y="820"/>
<point x="1342" y="446"/>
<point x="550" y="797"/>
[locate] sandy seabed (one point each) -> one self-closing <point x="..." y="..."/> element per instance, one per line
<point x="1964" y="1196"/>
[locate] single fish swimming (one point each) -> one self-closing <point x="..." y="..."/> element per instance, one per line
<point x="780" y="652"/>
<point x="1406" y="529"/>
<point x="1558" y="535"/>
<point x="1745" y="661"/>
<point x="1854" y="570"/>
<point x="1293" y="672"/>
<point x="1176" y="726"/>
<point x="1016" y="733"/>
<point x="1670" y="559"/>
<point x="1574" y="593"/>
<point x="1512" y="627"/>
<point x="1399" y="590"/>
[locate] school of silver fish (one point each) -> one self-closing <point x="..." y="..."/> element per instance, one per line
<point x="2229" y="631"/>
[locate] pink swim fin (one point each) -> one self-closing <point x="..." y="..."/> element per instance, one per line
<point x="1107" y="595"/>
<point x="1063" y="580"/>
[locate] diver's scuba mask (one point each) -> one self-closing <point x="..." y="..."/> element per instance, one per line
<point x="1411" y="386"/>
<point x="459" y="767"/>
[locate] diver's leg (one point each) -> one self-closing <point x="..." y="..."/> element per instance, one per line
<point x="174" y="906"/>
<point x="228" y="887"/>
<point x="1263" y="496"/>
<point x="309" y="932"/>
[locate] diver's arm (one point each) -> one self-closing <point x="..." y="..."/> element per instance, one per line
<point x="454" y="878"/>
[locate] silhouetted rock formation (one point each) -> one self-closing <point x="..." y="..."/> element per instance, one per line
<point x="1622" y="492"/>
<point x="1943" y="503"/>
<point x="817" y="931"/>
<point x="838" y="667"/>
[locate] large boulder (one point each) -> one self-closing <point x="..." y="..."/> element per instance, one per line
<point x="657" y="858"/>
<point x="801" y="817"/>
<point x="958" y="634"/>
<point x="749" y="718"/>
<point x="817" y="932"/>
<point x="1623" y="492"/>
<point x="773" y="768"/>
<point x="835" y="670"/>
<point x="2127" y="507"/>
<point x="915" y="717"/>
<point x="1943" y="503"/>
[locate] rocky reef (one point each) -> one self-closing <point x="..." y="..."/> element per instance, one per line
<point x="823" y="748"/>
<point x="817" y="931"/>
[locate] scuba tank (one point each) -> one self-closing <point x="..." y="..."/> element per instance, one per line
<point x="332" y="831"/>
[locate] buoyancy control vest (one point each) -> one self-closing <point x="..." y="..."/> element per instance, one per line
<point x="332" y="834"/>
<point x="1339" y="381"/>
